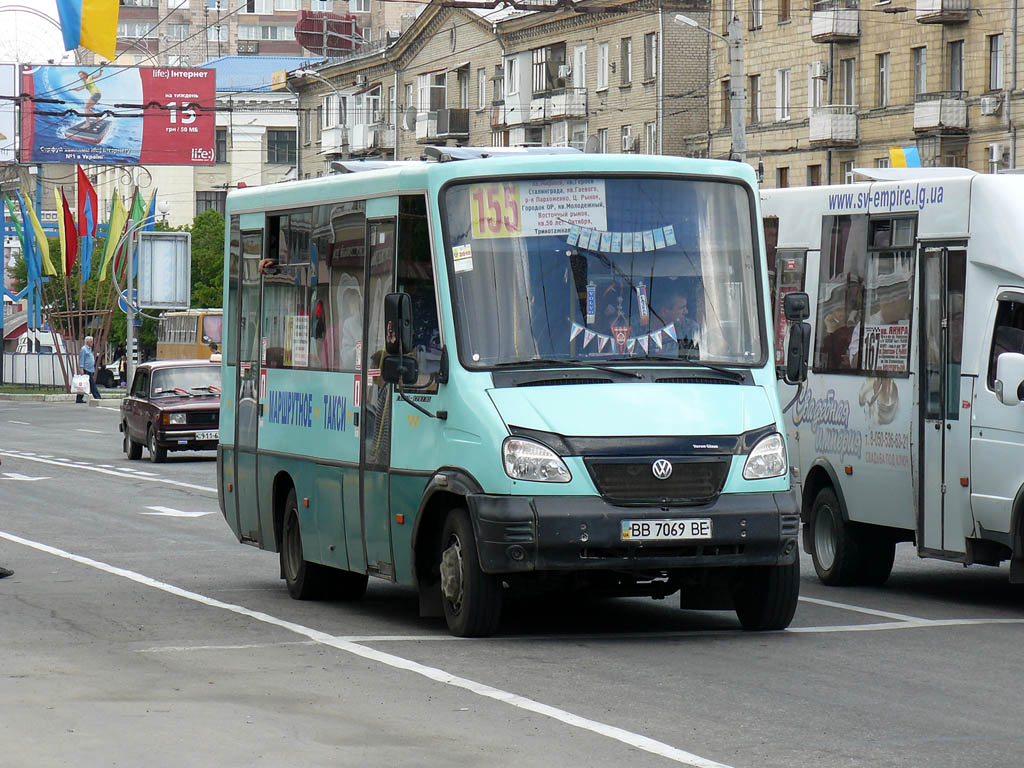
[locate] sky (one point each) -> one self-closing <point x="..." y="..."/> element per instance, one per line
<point x="25" y="38"/>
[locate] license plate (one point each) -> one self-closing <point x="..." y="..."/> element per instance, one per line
<point x="666" y="530"/>
<point x="213" y="434"/>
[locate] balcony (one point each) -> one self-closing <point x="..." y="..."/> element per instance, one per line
<point x="942" y="11"/>
<point x="426" y="127"/>
<point x="835" y="21"/>
<point x="941" y="110"/>
<point x="334" y="140"/>
<point x="834" y="125"/>
<point x="498" y="116"/>
<point x="248" y="47"/>
<point x="453" y="123"/>
<point x="568" y="102"/>
<point x="537" y="109"/>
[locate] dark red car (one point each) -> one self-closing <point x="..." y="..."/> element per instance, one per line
<point x="173" y="405"/>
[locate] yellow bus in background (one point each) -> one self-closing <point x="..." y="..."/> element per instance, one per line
<point x="188" y="334"/>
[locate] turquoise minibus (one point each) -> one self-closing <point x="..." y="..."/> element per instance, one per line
<point x="493" y="374"/>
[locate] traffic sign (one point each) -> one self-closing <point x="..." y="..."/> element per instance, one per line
<point x="122" y="303"/>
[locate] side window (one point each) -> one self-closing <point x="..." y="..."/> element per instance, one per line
<point x="286" y="290"/>
<point x="788" y="277"/>
<point x="771" y="244"/>
<point x="1008" y="335"/>
<point x="416" y="277"/>
<point x="840" y="293"/>
<point x="339" y="244"/>
<point x="889" y="297"/>
<point x="141" y="384"/>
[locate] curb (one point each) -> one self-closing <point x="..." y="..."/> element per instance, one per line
<point x="63" y="398"/>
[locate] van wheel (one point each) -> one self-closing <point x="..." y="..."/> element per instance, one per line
<point x="471" y="598"/>
<point x="131" y="448"/>
<point x="156" y="453"/>
<point x="835" y="548"/>
<point x="305" y="581"/>
<point x="767" y="596"/>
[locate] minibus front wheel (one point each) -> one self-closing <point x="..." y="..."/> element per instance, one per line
<point x="471" y="598"/>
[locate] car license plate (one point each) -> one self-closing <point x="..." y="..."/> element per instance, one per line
<point x="666" y="530"/>
<point x="213" y="434"/>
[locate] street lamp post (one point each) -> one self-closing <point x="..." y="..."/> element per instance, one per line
<point x="737" y="82"/>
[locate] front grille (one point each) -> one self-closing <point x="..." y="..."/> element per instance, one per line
<point x="206" y="418"/>
<point x="562" y="382"/>
<point x="694" y="480"/>
<point x="694" y="380"/>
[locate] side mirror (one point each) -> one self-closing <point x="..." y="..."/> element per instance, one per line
<point x="798" y="349"/>
<point x="796" y="306"/>
<point x="1009" y="377"/>
<point x="397" y="323"/>
<point x="397" y="369"/>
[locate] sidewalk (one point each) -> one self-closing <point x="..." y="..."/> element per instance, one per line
<point x="109" y="397"/>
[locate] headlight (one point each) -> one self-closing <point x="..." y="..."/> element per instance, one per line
<point x="768" y="459"/>
<point x="176" y="418"/>
<point x="527" y="460"/>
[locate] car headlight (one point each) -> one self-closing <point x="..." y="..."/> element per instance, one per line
<point x="768" y="459"/>
<point x="176" y="418"/>
<point x="527" y="460"/>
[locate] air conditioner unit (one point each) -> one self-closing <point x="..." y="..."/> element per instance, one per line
<point x="990" y="105"/>
<point x="997" y="153"/>
<point x="819" y="71"/>
<point x="628" y="143"/>
<point x="564" y="72"/>
<point x="378" y="115"/>
<point x="360" y="80"/>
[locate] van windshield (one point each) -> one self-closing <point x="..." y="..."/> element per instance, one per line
<point x="603" y="269"/>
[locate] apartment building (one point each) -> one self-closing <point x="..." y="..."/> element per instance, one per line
<point x="833" y="87"/>
<point x="600" y="81"/>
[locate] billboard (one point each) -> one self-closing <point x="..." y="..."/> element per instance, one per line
<point x="7" y="77"/>
<point x="118" y="115"/>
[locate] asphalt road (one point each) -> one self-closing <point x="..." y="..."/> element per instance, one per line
<point x="137" y="631"/>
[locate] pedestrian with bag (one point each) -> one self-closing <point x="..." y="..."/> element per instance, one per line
<point x="87" y="366"/>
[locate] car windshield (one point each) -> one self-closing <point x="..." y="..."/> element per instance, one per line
<point x="187" y="380"/>
<point x="604" y="269"/>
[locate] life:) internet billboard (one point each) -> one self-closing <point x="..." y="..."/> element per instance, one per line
<point x="118" y="115"/>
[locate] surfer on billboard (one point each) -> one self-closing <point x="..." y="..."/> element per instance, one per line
<point x="92" y="129"/>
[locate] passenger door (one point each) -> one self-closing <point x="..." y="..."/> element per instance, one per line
<point x="944" y="513"/>
<point x="247" y="393"/>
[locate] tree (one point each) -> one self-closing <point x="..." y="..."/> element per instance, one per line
<point x="208" y="259"/>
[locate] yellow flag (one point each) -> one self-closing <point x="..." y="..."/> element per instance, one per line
<point x="115" y="227"/>
<point x="62" y="238"/>
<point x="99" y="27"/>
<point x="41" y="242"/>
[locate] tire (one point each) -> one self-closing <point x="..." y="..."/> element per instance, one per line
<point x="305" y="581"/>
<point x="105" y="378"/>
<point x="835" y="548"/>
<point x="767" y="596"/>
<point x="878" y="554"/>
<point x="471" y="598"/>
<point x="132" y="449"/>
<point x="156" y="454"/>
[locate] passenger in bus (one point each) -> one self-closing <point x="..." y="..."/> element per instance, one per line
<point x="677" y="311"/>
<point x="351" y="327"/>
<point x="839" y="350"/>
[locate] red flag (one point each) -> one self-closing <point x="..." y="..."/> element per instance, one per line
<point x="70" y="235"/>
<point x="86" y="199"/>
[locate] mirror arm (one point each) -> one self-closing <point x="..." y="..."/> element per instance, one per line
<point x="442" y="415"/>
<point x="799" y="391"/>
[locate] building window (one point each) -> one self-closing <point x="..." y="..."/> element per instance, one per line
<point x="881" y="162"/>
<point x="220" y="148"/>
<point x="481" y="88"/>
<point x="727" y="14"/>
<point x="286" y="5"/>
<point x="177" y="60"/>
<point x="217" y="33"/>
<point x="602" y="140"/>
<point x="602" y="66"/>
<point x="307" y="126"/>
<point x="408" y="96"/>
<point x="579" y="66"/>
<point x="175" y="5"/>
<point x="651" y="137"/>
<point x="882" y="61"/>
<point x="650" y="55"/>
<point x="847" y="168"/>
<point x="784" y="11"/>
<point x="206" y="201"/>
<point x="754" y="98"/>
<point x="281" y="146"/>
<point x="268" y="32"/>
<point x="358" y="6"/>
<point x="177" y="31"/>
<point x="627" y="138"/>
<point x="726" y="104"/>
<point x="626" y="63"/>
<point x="782" y="177"/>
<point x="995" y="62"/>
<point x="755" y="14"/>
<point x="782" y="94"/>
<point x="815" y="86"/>
<point x="139" y="30"/>
<point x="462" y="80"/>
<point x="512" y="76"/>
<point x="813" y="175"/>
<point x="321" y="5"/>
<point x="847" y="82"/>
<point x="920" y="70"/>
<point x="540" y="70"/>
<point x="956" y="65"/>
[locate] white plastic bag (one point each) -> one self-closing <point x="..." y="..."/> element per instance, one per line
<point x="80" y="384"/>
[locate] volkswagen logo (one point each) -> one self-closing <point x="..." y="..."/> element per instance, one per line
<point x="662" y="469"/>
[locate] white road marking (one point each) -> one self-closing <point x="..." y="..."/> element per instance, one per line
<point x="171" y="512"/>
<point x="108" y="408"/>
<point x="16" y="476"/>
<point x="639" y="741"/>
<point x="861" y="609"/>
<point x="190" y="648"/>
<point x="92" y="431"/>
<point x="23" y="423"/>
<point x="136" y="475"/>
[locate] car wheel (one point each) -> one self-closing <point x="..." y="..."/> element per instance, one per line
<point x="131" y="448"/>
<point x="156" y="453"/>
<point x="767" y="596"/>
<point x="305" y="581"/>
<point x="471" y="598"/>
<point x="105" y="378"/>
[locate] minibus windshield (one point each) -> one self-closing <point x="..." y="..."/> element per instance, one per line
<point x="603" y="270"/>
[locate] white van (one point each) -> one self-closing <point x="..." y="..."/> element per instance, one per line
<point x="908" y="427"/>
<point x="39" y="342"/>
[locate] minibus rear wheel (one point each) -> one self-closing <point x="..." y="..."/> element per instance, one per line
<point x="835" y="548"/>
<point x="471" y="598"/>
<point x="305" y="581"/>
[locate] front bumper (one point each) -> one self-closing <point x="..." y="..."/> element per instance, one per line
<point x="517" y="534"/>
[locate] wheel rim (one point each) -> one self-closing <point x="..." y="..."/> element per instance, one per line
<point x="152" y="443"/>
<point x="452" y="580"/>
<point x="125" y="444"/>
<point x="292" y="548"/>
<point x="825" y="537"/>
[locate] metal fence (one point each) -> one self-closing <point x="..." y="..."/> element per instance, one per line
<point x="34" y="369"/>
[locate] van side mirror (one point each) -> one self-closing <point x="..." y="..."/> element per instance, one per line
<point x="397" y="323"/>
<point x="1009" y="378"/>
<point x="798" y="349"/>
<point x="398" y="369"/>
<point x="796" y="306"/>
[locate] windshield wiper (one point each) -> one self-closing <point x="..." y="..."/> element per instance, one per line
<point x="576" y="364"/>
<point x="207" y="388"/>
<point x="691" y="363"/>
